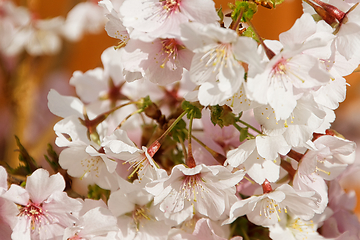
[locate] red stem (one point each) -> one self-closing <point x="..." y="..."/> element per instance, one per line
<point x="295" y="155"/>
<point x="287" y="167"/>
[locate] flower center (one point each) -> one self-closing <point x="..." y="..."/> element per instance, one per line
<point x="164" y="9"/>
<point x="218" y="57"/>
<point x="300" y="228"/>
<point x="170" y="50"/>
<point x="280" y="67"/>
<point x="35" y="214"/>
<point x="283" y="73"/>
<point x="139" y="214"/>
<point x="142" y="163"/>
<point x="138" y="164"/>
<point x="171" y="6"/>
<point x="270" y="207"/>
<point x="191" y="187"/>
<point x="92" y="165"/>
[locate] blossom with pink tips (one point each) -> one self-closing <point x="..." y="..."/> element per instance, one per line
<point x="8" y="210"/>
<point x="162" y="60"/>
<point x="163" y="18"/>
<point x="45" y="210"/>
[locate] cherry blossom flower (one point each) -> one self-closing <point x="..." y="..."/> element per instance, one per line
<point x="103" y="83"/>
<point x="114" y="27"/>
<point x="163" y="18"/>
<point x="87" y="161"/>
<point x="13" y="19"/>
<point x="343" y="223"/>
<point x="41" y="37"/>
<point x="312" y="182"/>
<point x="104" y="89"/>
<point x="239" y="102"/>
<point x="45" y="210"/>
<point x="3" y="180"/>
<point x="295" y="229"/>
<point x="259" y="157"/>
<point x="8" y="209"/>
<point x="270" y="208"/>
<point x="85" y="17"/>
<point x="65" y="106"/>
<point x="119" y="146"/>
<point x="329" y="158"/>
<point x="215" y="65"/>
<point x="205" y="229"/>
<point x="75" y="115"/>
<point x="334" y="92"/>
<point x="83" y="158"/>
<point x="97" y="223"/>
<point x="348" y="37"/>
<point x="136" y="215"/>
<point x="292" y="71"/>
<point x="288" y="88"/>
<point x="161" y="60"/>
<point x="209" y="189"/>
<point x="298" y="128"/>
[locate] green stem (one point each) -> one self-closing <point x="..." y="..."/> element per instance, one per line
<point x="240" y="129"/>
<point x="106" y="114"/>
<point x="183" y="148"/>
<point x="249" y="126"/>
<point x="220" y="158"/>
<point x="237" y="23"/>
<point x="190" y="161"/>
<point x="246" y="237"/>
<point x="172" y="126"/>
<point x="154" y="147"/>
<point x="132" y="114"/>
<point x="190" y="129"/>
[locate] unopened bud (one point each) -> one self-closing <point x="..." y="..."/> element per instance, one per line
<point x="327" y="17"/>
<point x="153" y="111"/>
<point x="332" y="10"/>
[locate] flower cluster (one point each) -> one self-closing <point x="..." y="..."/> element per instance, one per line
<point x="255" y="150"/>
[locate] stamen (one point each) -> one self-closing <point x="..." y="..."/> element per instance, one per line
<point x="92" y="165"/>
<point x="301" y="228"/>
<point x="170" y="51"/>
<point x="218" y="57"/>
<point x="270" y="207"/>
<point x="286" y="124"/>
<point x="280" y="67"/>
<point x="164" y="9"/>
<point x="140" y="213"/>
<point x="137" y="166"/>
<point x="191" y="187"/>
<point x="35" y="214"/>
<point x="322" y="170"/>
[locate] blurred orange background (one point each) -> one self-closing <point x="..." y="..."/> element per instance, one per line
<point x="32" y="122"/>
